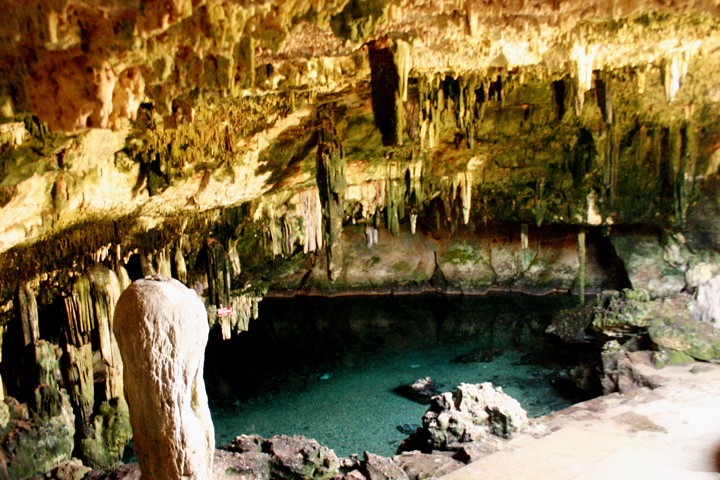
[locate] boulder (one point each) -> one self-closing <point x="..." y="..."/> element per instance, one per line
<point x="382" y="468"/>
<point x="297" y="457"/>
<point x="246" y="443"/>
<point x="619" y="373"/>
<point x="162" y="329"/>
<point x="699" y="340"/>
<point x="250" y="465"/>
<point x="474" y="413"/>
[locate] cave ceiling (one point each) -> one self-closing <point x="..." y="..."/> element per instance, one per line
<point x="124" y="116"/>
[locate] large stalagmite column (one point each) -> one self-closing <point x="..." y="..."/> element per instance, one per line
<point x="162" y="329"/>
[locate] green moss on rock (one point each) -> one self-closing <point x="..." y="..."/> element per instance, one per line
<point x="698" y="340"/>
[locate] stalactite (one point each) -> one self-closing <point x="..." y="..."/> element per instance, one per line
<point x="179" y="261"/>
<point x="432" y="103"/>
<point x="146" y="266"/>
<point x="79" y="324"/>
<point x="310" y="209"/>
<point x="243" y="309"/>
<point x="3" y="410"/>
<point x="584" y="59"/>
<point x="123" y="278"/>
<point x="79" y="385"/>
<point x="332" y="185"/>
<point x="276" y="236"/>
<point x="79" y="318"/>
<point x="463" y="180"/>
<point x="395" y="206"/>
<point x="218" y="274"/>
<point x="162" y="262"/>
<point x="603" y="93"/>
<point x="234" y="258"/>
<point x="525" y="253"/>
<point x="581" y="266"/>
<point x="689" y="159"/>
<point x="414" y="187"/>
<point x="384" y="82"/>
<point x="105" y="291"/>
<point x="26" y="310"/>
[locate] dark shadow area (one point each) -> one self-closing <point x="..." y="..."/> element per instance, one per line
<point x="384" y="81"/>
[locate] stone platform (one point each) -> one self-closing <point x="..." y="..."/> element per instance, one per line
<point x="670" y="432"/>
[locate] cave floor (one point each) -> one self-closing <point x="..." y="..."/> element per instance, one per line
<point x="670" y="432"/>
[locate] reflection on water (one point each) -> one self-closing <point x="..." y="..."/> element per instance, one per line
<point x="327" y="368"/>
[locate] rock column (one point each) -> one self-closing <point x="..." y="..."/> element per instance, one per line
<point x="161" y="327"/>
<point x="332" y="185"/>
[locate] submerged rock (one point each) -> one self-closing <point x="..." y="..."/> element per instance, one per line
<point x="421" y="390"/>
<point x="481" y="356"/>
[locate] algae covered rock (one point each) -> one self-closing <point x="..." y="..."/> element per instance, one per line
<point x="699" y="340"/>
<point x="32" y="444"/>
<point x="112" y="431"/>
<point x="570" y="324"/>
<point x="619" y="312"/>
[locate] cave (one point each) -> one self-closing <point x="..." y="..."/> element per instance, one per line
<point x="551" y="165"/>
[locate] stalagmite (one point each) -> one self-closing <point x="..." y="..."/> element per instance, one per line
<point x="162" y="330"/>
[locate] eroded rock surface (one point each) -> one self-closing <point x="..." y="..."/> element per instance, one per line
<point x="161" y="328"/>
<point x="474" y="412"/>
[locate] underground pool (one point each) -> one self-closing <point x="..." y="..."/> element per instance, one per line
<point x="331" y="368"/>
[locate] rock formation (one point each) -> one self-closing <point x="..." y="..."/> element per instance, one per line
<point x="473" y="413"/>
<point x="161" y="327"/>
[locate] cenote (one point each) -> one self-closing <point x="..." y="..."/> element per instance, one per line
<point x="329" y="368"/>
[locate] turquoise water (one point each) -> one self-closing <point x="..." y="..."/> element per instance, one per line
<point x="327" y="368"/>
